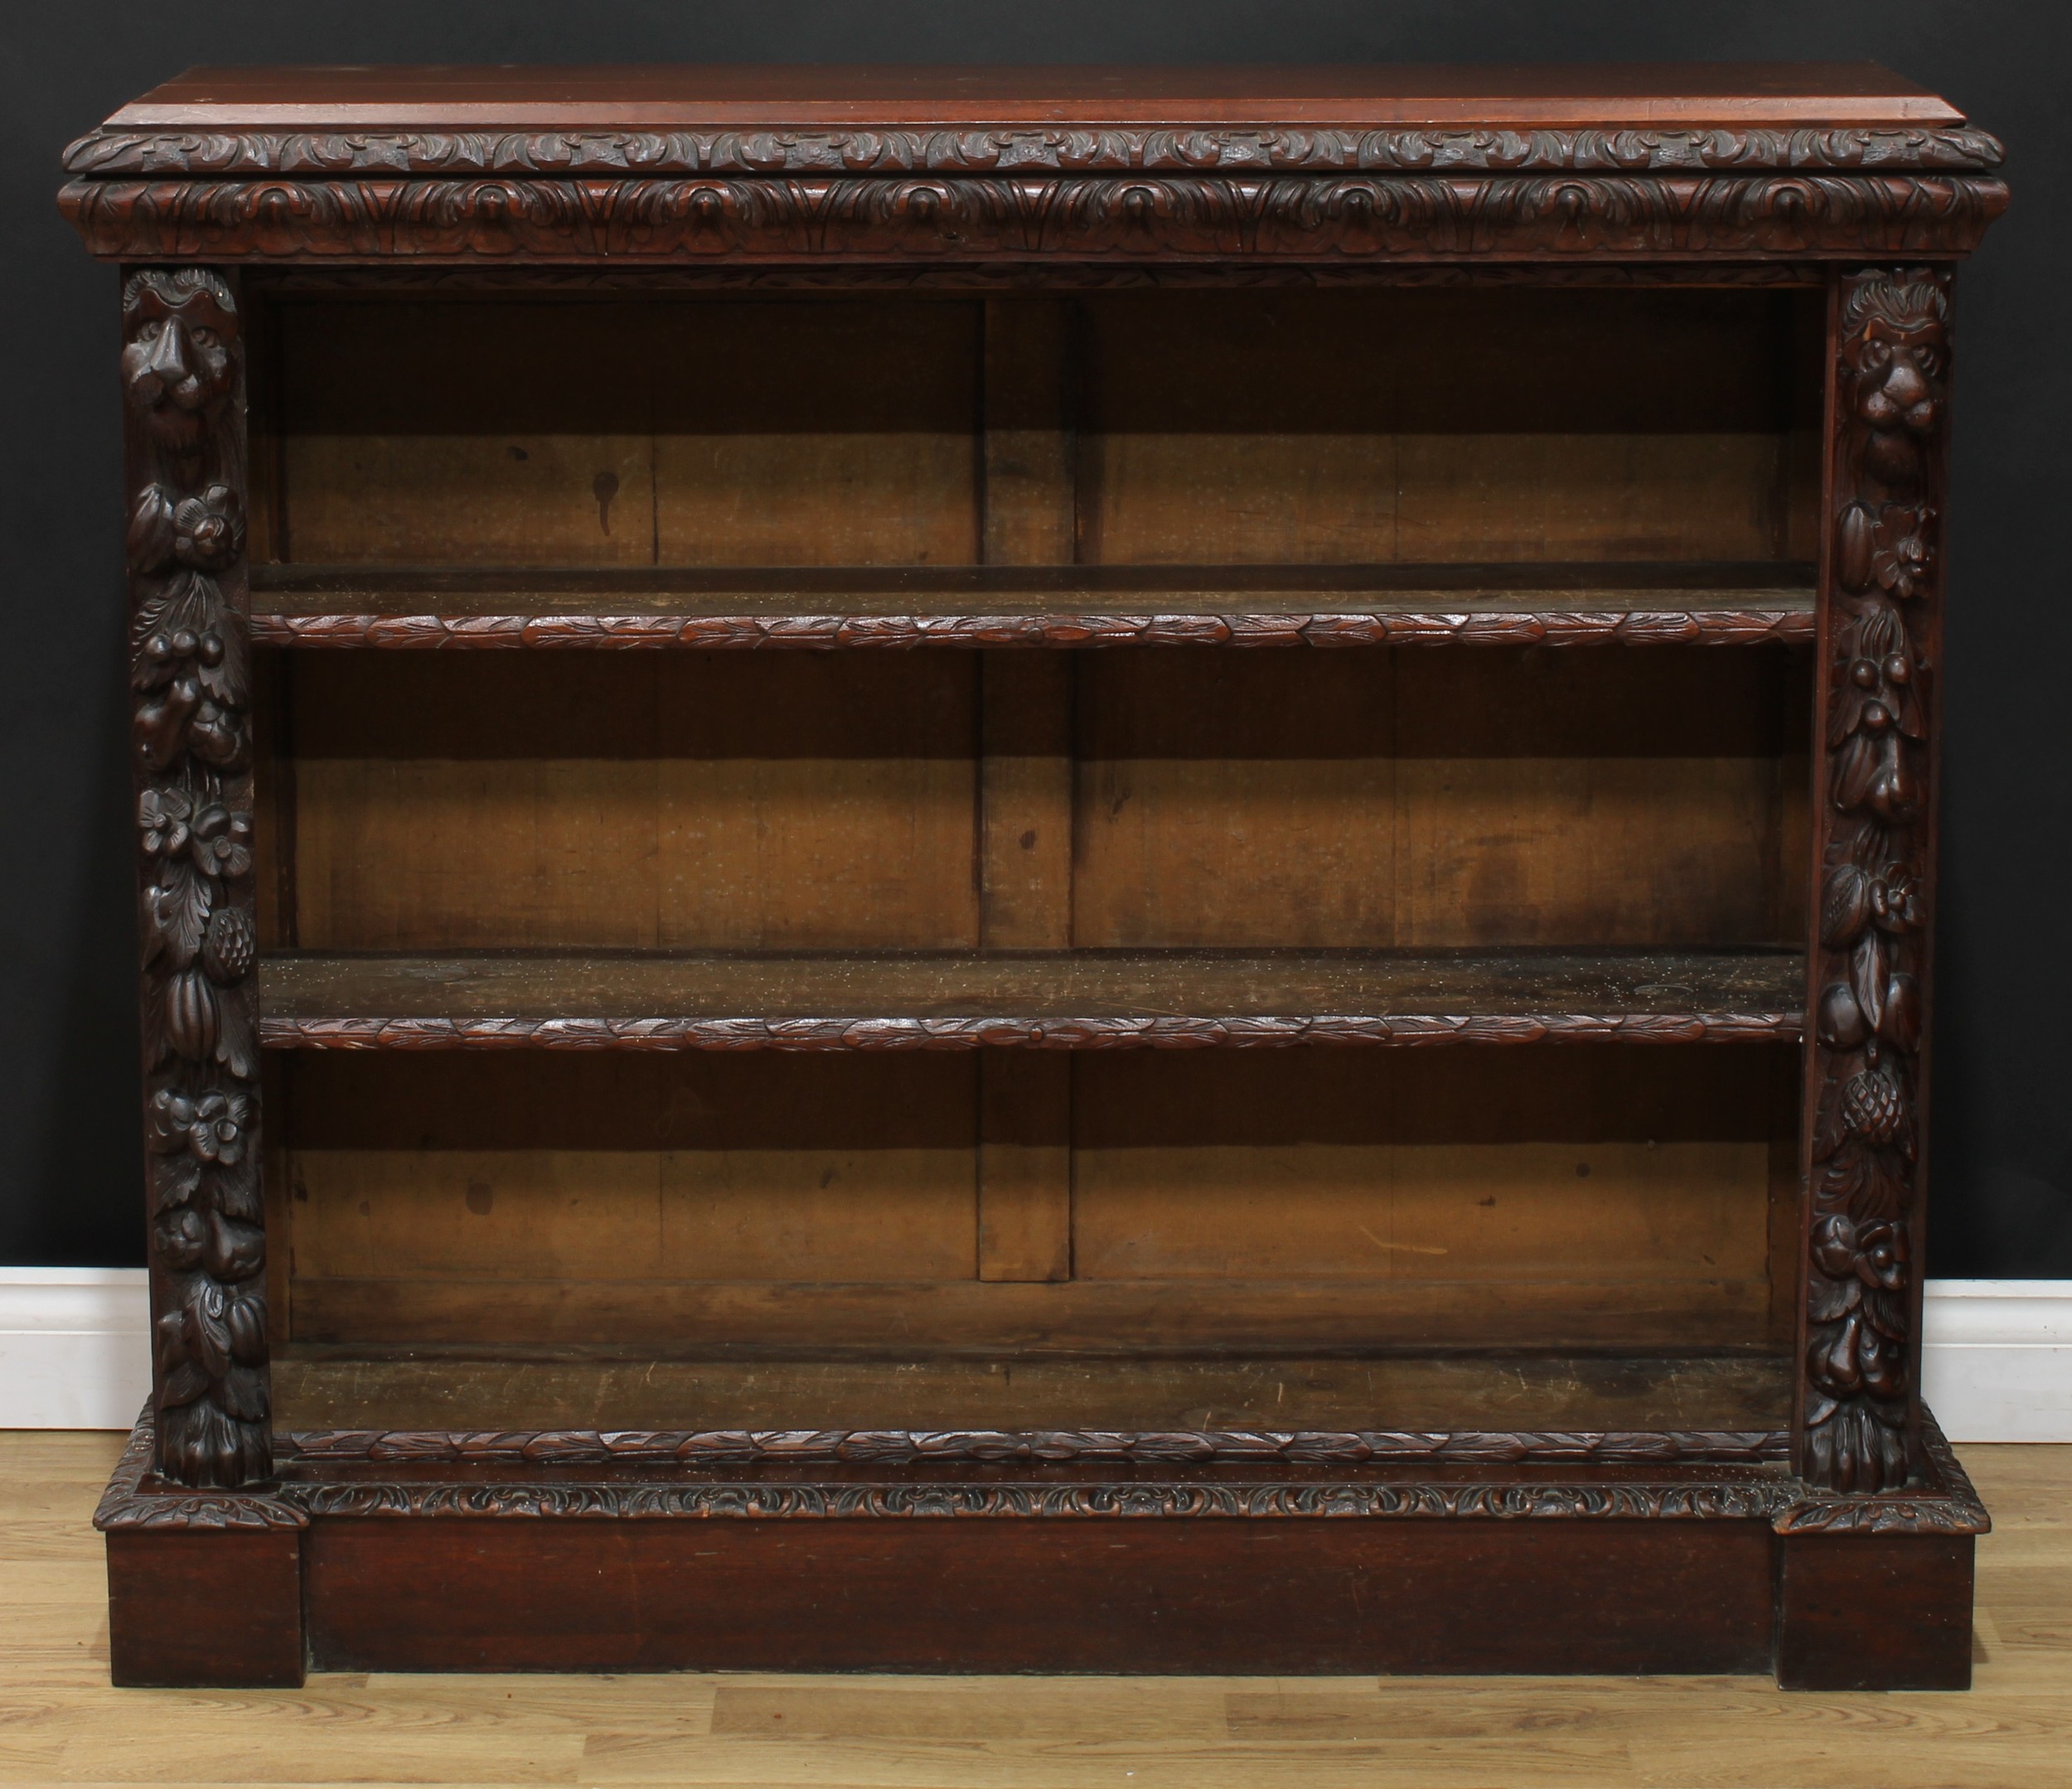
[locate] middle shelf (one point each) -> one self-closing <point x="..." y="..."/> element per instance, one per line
<point x="1058" y="999"/>
<point x="1579" y="603"/>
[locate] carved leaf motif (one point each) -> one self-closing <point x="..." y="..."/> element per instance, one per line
<point x="174" y="1182"/>
<point x="183" y="1385"/>
<point x="176" y="915"/>
<point x="237" y="1039"/>
<point x="237" y="1191"/>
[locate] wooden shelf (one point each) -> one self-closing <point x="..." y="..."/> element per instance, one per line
<point x="1083" y="999"/>
<point x="357" y="1403"/>
<point x="1068" y="605"/>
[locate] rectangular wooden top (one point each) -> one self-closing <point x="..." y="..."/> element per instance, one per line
<point x="1614" y="96"/>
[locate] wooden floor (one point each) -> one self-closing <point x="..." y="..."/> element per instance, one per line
<point x="60" y="1722"/>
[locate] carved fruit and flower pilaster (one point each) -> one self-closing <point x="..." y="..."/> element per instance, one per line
<point x="191" y="685"/>
<point x="1860" y="1430"/>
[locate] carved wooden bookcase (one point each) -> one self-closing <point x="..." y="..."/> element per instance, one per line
<point x="774" y="1040"/>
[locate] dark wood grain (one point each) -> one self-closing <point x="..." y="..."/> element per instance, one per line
<point x="1879" y="1611"/>
<point x="342" y="1402"/>
<point x="1088" y="1596"/>
<point x="1605" y="1309"/>
<point x="195" y="1606"/>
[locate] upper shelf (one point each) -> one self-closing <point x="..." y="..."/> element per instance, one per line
<point x="1069" y="999"/>
<point x="1008" y="606"/>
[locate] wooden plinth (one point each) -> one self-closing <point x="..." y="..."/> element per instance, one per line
<point x="1693" y="1565"/>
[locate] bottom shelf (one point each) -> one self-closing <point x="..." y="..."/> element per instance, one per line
<point x="340" y="1402"/>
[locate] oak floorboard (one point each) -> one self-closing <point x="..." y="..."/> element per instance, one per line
<point x="60" y="1723"/>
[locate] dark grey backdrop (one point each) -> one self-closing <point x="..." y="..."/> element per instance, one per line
<point x="69" y="1149"/>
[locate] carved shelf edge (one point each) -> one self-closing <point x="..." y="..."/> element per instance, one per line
<point x="133" y="1501"/>
<point x="1700" y="1500"/>
<point x="1171" y="1033"/>
<point x="982" y="148"/>
<point x="1269" y="216"/>
<point x="891" y="1447"/>
<point x="823" y="632"/>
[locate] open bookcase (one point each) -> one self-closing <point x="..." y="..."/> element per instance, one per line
<point x="1090" y="956"/>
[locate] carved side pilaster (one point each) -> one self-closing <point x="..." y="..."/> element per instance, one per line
<point x="183" y="379"/>
<point x="1860" y="1420"/>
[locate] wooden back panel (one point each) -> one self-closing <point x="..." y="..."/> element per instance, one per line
<point x="610" y="434"/>
<point x="660" y="800"/>
<point x="1125" y="798"/>
<point x="1405" y="426"/>
<point x="1608" y="1196"/>
<point x="1293" y="426"/>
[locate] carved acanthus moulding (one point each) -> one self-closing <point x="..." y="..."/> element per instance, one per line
<point x="899" y="632"/>
<point x="182" y="367"/>
<point x="1867" y="975"/>
<point x="1009" y="149"/>
<point x="1948" y="1507"/>
<point x="1352" y="217"/>
<point x="1177" y="1032"/>
<point x="906" y="1446"/>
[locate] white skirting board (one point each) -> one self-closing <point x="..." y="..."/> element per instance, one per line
<point x="75" y="1353"/>
<point x="1996" y="1358"/>
<point x="75" y="1346"/>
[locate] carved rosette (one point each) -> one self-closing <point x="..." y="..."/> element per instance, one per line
<point x="190" y="681"/>
<point x="1861" y="1418"/>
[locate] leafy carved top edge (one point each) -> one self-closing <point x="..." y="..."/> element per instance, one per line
<point x="107" y="153"/>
